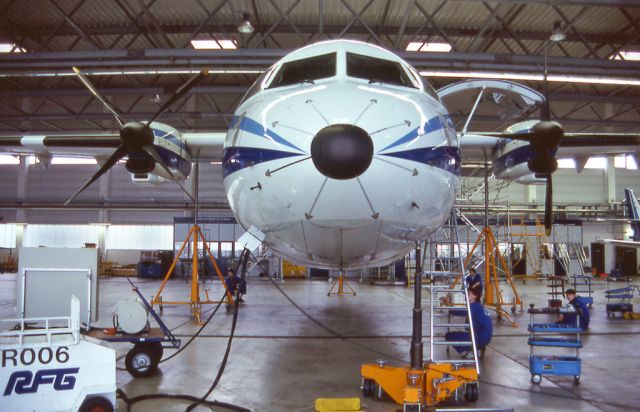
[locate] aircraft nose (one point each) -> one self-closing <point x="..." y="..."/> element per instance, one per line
<point x="342" y="151"/>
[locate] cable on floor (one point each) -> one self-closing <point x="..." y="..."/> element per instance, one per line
<point x="202" y="400"/>
<point x="328" y="329"/>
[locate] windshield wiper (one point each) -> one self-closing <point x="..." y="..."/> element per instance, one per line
<point x="308" y="81"/>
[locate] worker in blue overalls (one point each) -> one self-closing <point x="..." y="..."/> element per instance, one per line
<point x="473" y="280"/>
<point x="482" y="326"/>
<point x="235" y="285"/>
<point x="582" y="308"/>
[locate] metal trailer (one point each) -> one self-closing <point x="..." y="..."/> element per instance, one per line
<point x="148" y="347"/>
<point x="619" y="299"/>
<point x="554" y="335"/>
<point x="583" y="285"/>
<point x="54" y="368"/>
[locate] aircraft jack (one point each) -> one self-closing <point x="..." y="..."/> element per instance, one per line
<point x="422" y="384"/>
<point x="492" y="295"/>
<point x="416" y="388"/>
<point x="341" y="282"/>
<point x="195" y="303"/>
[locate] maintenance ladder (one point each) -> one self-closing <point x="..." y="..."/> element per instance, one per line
<point x="443" y="263"/>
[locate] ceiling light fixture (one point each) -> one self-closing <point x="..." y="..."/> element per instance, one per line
<point x="533" y="77"/>
<point x="429" y="47"/>
<point x="245" y="27"/>
<point x="557" y="34"/>
<point x="10" y="48"/>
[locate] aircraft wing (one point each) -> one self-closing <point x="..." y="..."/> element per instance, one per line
<point x="202" y="146"/>
<point x="479" y="146"/>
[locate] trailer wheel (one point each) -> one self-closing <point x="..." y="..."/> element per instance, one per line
<point x="156" y="349"/>
<point x="96" y="404"/>
<point x="536" y="378"/>
<point x="368" y="388"/>
<point x="576" y="380"/>
<point x="141" y="362"/>
<point x="471" y="392"/>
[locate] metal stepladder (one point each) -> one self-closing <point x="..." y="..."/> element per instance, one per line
<point x="449" y="303"/>
<point x="428" y="383"/>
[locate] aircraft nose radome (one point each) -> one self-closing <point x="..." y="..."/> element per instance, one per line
<point x="342" y="151"/>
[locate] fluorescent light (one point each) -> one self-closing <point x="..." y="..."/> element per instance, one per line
<point x="436" y="47"/>
<point x="429" y="47"/>
<point x="228" y="44"/>
<point x="130" y="72"/>
<point x="533" y="77"/>
<point x="482" y="75"/>
<point x="591" y="80"/>
<point x="627" y="55"/>
<point x="414" y="46"/>
<point x="210" y="44"/>
<point x="205" y="45"/>
<point x="10" y="48"/>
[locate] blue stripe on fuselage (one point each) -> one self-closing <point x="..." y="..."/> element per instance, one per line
<point x="251" y="126"/>
<point x="431" y="125"/>
<point x="443" y="157"/>
<point x="237" y="158"/>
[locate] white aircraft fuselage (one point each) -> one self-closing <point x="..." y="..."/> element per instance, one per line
<point x="342" y="156"/>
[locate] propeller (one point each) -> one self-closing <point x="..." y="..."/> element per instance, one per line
<point x="544" y="138"/>
<point x="136" y="137"/>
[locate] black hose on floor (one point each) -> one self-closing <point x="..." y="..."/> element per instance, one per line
<point x="328" y="329"/>
<point x="243" y="261"/>
<point x="202" y="400"/>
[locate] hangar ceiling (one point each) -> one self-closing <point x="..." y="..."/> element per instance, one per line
<point x="117" y="40"/>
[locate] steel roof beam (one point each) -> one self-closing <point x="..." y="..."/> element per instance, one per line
<point x="189" y="29"/>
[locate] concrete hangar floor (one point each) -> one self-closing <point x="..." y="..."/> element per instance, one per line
<point x="281" y="360"/>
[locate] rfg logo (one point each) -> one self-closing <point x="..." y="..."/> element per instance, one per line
<point x="22" y="382"/>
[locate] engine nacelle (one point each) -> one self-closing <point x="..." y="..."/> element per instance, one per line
<point x="148" y="179"/>
<point x="531" y="179"/>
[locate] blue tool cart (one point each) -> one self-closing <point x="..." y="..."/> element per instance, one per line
<point x="554" y="335"/>
<point x="619" y="299"/>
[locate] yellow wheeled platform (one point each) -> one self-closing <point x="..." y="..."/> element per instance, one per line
<point x="415" y="388"/>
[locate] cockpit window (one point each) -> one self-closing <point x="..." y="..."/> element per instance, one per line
<point x="377" y="70"/>
<point x="305" y="70"/>
<point x="255" y="87"/>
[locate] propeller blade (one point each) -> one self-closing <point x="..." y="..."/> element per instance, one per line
<point x="548" y="206"/>
<point x="184" y="89"/>
<point x="545" y="109"/>
<point x="115" y="157"/>
<point x="98" y="96"/>
<point x="151" y="151"/>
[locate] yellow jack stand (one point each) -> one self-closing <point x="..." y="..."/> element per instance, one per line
<point x="341" y="282"/>
<point x="413" y="388"/>
<point x="195" y="303"/>
<point x="492" y="295"/>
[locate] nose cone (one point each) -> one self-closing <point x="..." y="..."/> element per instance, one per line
<point x="342" y="151"/>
